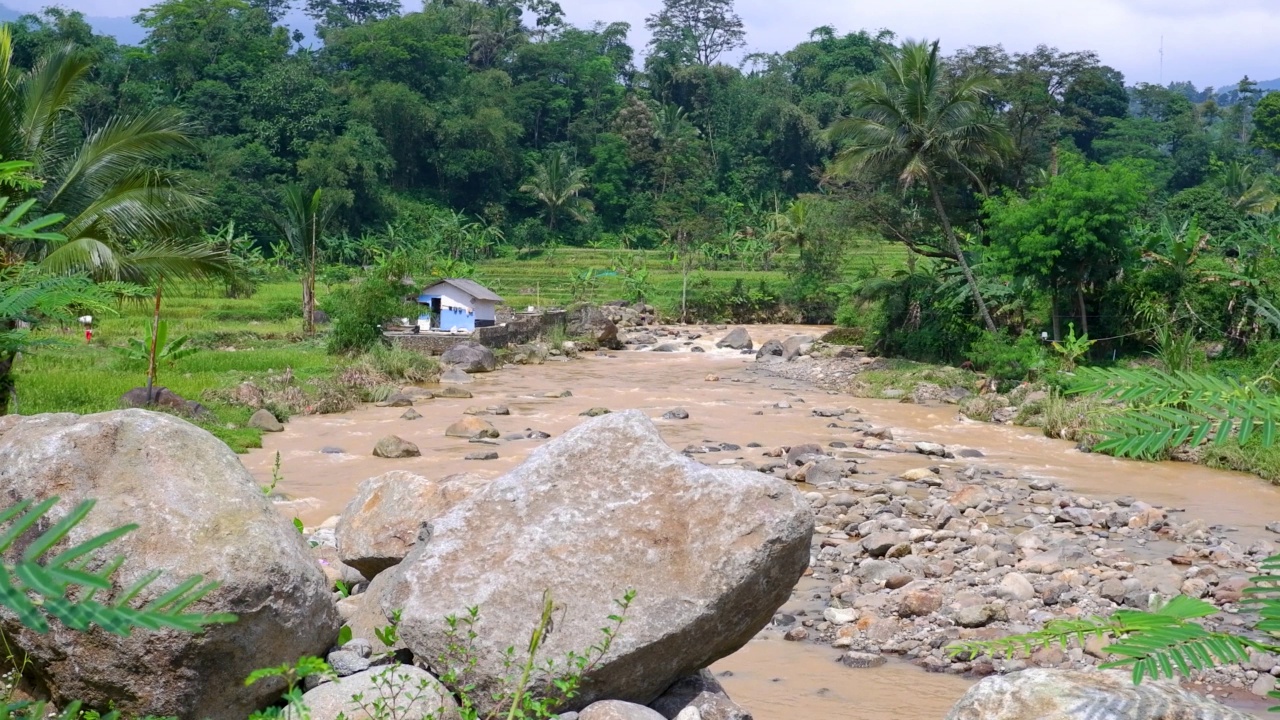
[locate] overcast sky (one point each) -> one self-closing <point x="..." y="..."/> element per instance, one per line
<point x="1210" y="42"/>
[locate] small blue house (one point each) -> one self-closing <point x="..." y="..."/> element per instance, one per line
<point x="457" y="304"/>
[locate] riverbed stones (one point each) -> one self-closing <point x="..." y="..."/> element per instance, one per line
<point x="796" y="345"/>
<point x="1040" y="694"/>
<point x="676" y="414"/>
<point x="456" y="376"/>
<point x="481" y="455"/>
<point x="700" y="692"/>
<point x="386" y="517"/>
<point x="737" y="339"/>
<point x="595" y="412"/>
<point x="453" y="392"/>
<point x="722" y="549"/>
<point x="618" y="710"/>
<point x="413" y="692"/>
<point x="471" y="427"/>
<point x="411" y="414"/>
<point x="397" y="400"/>
<point x="862" y="660"/>
<point x="266" y="422"/>
<point x="589" y="321"/>
<point x="394" y="446"/>
<point x="470" y="357"/>
<point x="198" y="511"/>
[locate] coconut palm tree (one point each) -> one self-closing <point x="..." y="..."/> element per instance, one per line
<point x="921" y="123"/>
<point x="556" y="184"/>
<point x="122" y="206"/>
<point x="303" y="221"/>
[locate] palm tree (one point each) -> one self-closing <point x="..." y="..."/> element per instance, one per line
<point x="556" y="184"/>
<point x="920" y="123"/>
<point x="302" y="222"/>
<point x="109" y="182"/>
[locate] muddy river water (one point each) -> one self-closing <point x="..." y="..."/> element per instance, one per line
<point x="776" y="680"/>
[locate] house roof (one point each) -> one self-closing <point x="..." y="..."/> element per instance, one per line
<point x="470" y="287"/>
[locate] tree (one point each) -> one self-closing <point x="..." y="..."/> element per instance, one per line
<point x="555" y="185"/>
<point x="1266" y="123"/>
<point x="1070" y="232"/>
<point x="697" y="31"/>
<point x="918" y="123"/>
<point x="341" y="13"/>
<point x="303" y="221"/>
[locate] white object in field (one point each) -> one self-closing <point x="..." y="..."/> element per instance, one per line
<point x="424" y="323"/>
<point x="530" y="308"/>
<point x="1044" y="335"/>
<point x="85" y="319"/>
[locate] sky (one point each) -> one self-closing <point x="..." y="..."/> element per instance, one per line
<point x="1210" y="42"/>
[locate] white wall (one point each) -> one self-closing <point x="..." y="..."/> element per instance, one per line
<point x="486" y="310"/>
<point x="454" y="295"/>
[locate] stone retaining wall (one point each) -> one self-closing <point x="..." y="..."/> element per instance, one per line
<point x="517" y="330"/>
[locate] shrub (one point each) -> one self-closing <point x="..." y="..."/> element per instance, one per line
<point x="358" y="312"/>
<point x="1008" y="360"/>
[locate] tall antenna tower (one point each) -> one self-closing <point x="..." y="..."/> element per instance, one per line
<point x="1162" y="60"/>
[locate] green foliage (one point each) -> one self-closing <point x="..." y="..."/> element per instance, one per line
<point x="1072" y="348"/>
<point x="170" y="351"/>
<point x="40" y="586"/>
<point x="1009" y="360"/>
<point x="359" y="311"/>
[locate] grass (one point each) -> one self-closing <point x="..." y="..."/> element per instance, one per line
<point x="906" y="374"/>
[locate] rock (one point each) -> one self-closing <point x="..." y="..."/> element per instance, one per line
<point x="346" y="662"/>
<point x="737" y="339"/>
<point x="1041" y="694"/>
<point x="471" y="427"/>
<point x="676" y="414"/>
<point x="862" y="660"/>
<point x="918" y="602"/>
<point x="198" y="511"/>
<point x="397" y="400"/>
<point x="1076" y="516"/>
<point x="918" y="474"/>
<point x="878" y="544"/>
<point x="929" y="448"/>
<point x="667" y="348"/>
<point x="454" y="375"/>
<point x="721" y="549"/>
<point x="393" y="446"/>
<point x="266" y="422"/>
<point x="470" y="357"/>
<point x="164" y="398"/>
<point x="453" y="392"/>
<point x="975" y="616"/>
<point x="795" y="346"/>
<point x="248" y="395"/>
<point x="386" y="517"/>
<point x="702" y="692"/>
<point x="413" y="693"/>
<point x="411" y="414"/>
<point x="770" y="349"/>
<point x="595" y="412"/>
<point x="332" y="450"/>
<point x="481" y="455"/>
<point x="840" y="616"/>
<point x="1016" y="586"/>
<point x="796" y="452"/>
<point x="588" y="321"/>
<point x="618" y="710"/>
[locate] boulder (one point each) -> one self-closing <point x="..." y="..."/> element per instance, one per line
<point x="589" y="321"/>
<point x="456" y="376"/>
<point x="737" y="339"/>
<point x="595" y="412"/>
<point x="721" y="549"/>
<point x="393" y="446"/>
<point x="165" y="399"/>
<point x="383" y="521"/>
<point x="412" y="692"/>
<point x="454" y="392"/>
<point x="771" y="349"/>
<point x="397" y="400"/>
<point x="471" y="427"/>
<point x="199" y="512"/>
<point x="795" y="346"/>
<point x="266" y="422"/>
<point x="411" y="414"/>
<point x="618" y="710"/>
<point x="676" y="414"/>
<point x="471" y="357"/>
<point x="1041" y="694"/>
<point x="702" y="692"/>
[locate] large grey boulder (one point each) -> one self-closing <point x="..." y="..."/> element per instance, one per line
<point x="266" y="422"/>
<point x="1042" y="694"/>
<point x="383" y="521"/>
<point x="769" y="350"/>
<point x="795" y="346"/>
<point x="470" y="357"/>
<point x="198" y="511"/>
<point x="711" y="553"/>
<point x="394" y="446"/>
<point x="589" y="321"/>
<point x="737" y="339"/>
<point x="403" y="691"/>
<point x="618" y="710"/>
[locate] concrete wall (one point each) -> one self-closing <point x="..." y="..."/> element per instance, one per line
<point x="516" y="331"/>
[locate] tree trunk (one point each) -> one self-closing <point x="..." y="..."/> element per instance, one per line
<point x="1084" y="315"/>
<point x="155" y="341"/>
<point x="6" y="380"/>
<point x="959" y="254"/>
<point x="1053" y="159"/>
<point x="309" y="287"/>
<point x="684" y="291"/>
<point x="1057" y="321"/>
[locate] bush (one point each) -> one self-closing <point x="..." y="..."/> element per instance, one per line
<point x="1008" y="360"/>
<point x="358" y="312"/>
<point x="400" y="364"/>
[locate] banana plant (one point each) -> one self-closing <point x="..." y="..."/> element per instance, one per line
<point x="167" y="351"/>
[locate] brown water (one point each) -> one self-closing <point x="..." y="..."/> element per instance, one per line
<point x="775" y="679"/>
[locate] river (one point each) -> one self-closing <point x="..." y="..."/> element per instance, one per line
<point x="776" y="680"/>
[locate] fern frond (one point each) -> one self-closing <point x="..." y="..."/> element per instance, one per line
<point x="38" y="588"/>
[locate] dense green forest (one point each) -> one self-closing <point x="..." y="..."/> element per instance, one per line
<point x="1032" y="191"/>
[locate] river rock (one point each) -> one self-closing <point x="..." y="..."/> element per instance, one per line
<point x="721" y="550"/>
<point x="481" y="455"/>
<point x="411" y="414"/>
<point x="456" y="376"/>
<point x="266" y="422"/>
<point x="397" y="400"/>
<point x="618" y="710"/>
<point x="595" y="412"/>
<point x="471" y="427"/>
<point x="702" y="692"/>
<point x="589" y="321"/>
<point x="165" y="398"/>
<point x="393" y="446"/>
<point x="198" y="511"/>
<point x="795" y="346"/>
<point x="737" y="339"/>
<point x="771" y="349"/>
<point x="385" y="518"/>
<point x="453" y="392"/>
<point x="411" y="691"/>
<point x="676" y="414"/>
<point x="1041" y="694"/>
<point x="470" y="357"/>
